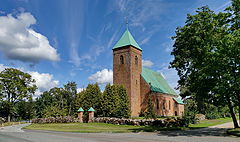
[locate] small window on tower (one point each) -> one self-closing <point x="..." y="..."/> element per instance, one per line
<point x="157" y="103"/>
<point x="121" y="59"/>
<point x="136" y="60"/>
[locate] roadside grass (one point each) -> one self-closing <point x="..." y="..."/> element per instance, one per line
<point x="95" y="128"/>
<point x="208" y="123"/>
<point x="111" y="128"/>
<point x="11" y="123"/>
<point x="235" y="132"/>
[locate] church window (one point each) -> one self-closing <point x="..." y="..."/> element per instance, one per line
<point x="163" y="105"/>
<point x="157" y="104"/>
<point x="121" y="59"/>
<point x="136" y="60"/>
<point x="169" y="104"/>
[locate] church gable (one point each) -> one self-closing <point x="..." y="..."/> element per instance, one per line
<point x="156" y="82"/>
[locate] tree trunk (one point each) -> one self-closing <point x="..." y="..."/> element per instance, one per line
<point x="9" y="118"/>
<point x="232" y="112"/>
<point x="239" y="108"/>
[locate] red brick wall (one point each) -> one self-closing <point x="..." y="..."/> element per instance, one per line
<point x="128" y="74"/>
<point x="165" y="105"/>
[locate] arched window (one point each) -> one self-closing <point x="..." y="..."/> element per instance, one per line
<point x="157" y="104"/>
<point x="121" y="59"/>
<point x="169" y="104"/>
<point x="164" y="105"/>
<point x="136" y="60"/>
<point x="176" y="113"/>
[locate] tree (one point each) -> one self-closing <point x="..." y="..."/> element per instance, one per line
<point x="206" y="56"/>
<point x="16" y="85"/>
<point x="150" y="109"/>
<point x="123" y="108"/>
<point x="91" y="97"/>
<point x="115" y="102"/>
<point x="70" y="91"/>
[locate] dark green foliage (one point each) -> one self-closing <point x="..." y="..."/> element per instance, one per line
<point x="206" y="55"/>
<point x="190" y="111"/>
<point x="115" y="102"/>
<point x="150" y="109"/>
<point x="15" y="86"/>
<point x="91" y="97"/>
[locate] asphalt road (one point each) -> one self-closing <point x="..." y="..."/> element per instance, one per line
<point x="201" y="135"/>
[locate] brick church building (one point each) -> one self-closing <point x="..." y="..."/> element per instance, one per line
<point x="141" y="82"/>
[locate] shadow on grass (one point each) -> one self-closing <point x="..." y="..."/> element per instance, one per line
<point x="183" y="131"/>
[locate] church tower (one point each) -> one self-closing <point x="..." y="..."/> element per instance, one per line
<point x="127" y="68"/>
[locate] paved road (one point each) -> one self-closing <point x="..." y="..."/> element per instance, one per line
<point x="203" y="135"/>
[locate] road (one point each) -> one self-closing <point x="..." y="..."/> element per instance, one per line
<point x="15" y="134"/>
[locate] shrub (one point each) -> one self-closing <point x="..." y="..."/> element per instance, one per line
<point x="65" y="119"/>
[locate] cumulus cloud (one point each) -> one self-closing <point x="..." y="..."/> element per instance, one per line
<point x="20" y="42"/>
<point x="44" y="81"/>
<point x="80" y="89"/>
<point x="147" y="63"/>
<point x="102" y="77"/>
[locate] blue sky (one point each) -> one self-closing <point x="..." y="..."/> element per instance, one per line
<point x="57" y="41"/>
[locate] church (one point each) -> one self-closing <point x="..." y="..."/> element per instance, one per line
<point x="141" y="82"/>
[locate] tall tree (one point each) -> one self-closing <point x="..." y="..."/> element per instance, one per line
<point x="70" y="93"/>
<point x="16" y="85"/>
<point x="206" y="56"/>
<point x="92" y="97"/>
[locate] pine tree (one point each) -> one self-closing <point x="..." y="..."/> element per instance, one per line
<point x="150" y="110"/>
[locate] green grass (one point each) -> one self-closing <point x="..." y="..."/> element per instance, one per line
<point x="11" y="123"/>
<point x="83" y="127"/>
<point x="95" y="128"/>
<point x="208" y="123"/>
<point x="235" y="132"/>
<point x="111" y="128"/>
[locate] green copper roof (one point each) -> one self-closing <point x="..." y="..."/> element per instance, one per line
<point x="80" y="109"/>
<point x="178" y="100"/>
<point x="91" y="109"/>
<point x="157" y="82"/>
<point x="126" y="39"/>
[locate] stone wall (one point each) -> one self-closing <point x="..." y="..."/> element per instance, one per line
<point x="168" y="122"/>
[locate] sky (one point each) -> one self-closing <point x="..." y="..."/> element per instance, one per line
<point x="57" y="41"/>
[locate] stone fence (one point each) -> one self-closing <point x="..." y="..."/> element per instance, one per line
<point x="167" y="122"/>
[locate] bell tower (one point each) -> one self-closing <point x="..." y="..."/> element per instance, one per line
<point x="127" y="68"/>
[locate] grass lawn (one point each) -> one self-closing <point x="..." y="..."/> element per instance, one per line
<point x="111" y="128"/>
<point x="11" y="123"/>
<point x="207" y="123"/>
<point x="94" y="128"/>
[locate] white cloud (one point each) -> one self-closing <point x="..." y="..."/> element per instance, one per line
<point x="44" y="81"/>
<point x="102" y="77"/>
<point x="20" y="42"/>
<point x="147" y="63"/>
<point x="80" y="89"/>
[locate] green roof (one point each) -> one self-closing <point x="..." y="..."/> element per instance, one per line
<point x="126" y="39"/>
<point x="91" y="109"/>
<point x="156" y="82"/>
<point x="178" y="100"/>
<point x="80" y="109"/>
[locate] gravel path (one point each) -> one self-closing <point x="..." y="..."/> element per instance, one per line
<point x="225" y="125"/>
<point x="13" y="128"/>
